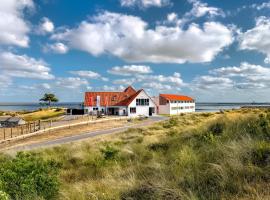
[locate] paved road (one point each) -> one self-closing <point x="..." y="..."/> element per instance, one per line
<point x="83" y="136"/>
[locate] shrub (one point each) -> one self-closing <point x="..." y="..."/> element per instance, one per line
<point x="159" y="147"/>
<point x="4" y="196"/>
<point x="260" y="155"/>
<point x="216" y="128"/>
<point x="109" y="152"/>
<point x="170" y="123"/>
<point x="28" y="176"/>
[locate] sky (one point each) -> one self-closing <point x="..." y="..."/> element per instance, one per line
<point x="211" y="50"/>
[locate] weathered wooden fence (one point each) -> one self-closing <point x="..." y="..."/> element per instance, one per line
<point x="9" y="133"/>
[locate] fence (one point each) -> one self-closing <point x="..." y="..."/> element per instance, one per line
<point x="38" y="127"/>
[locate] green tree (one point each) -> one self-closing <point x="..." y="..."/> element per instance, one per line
<point x="28" y="176"/>
<point x="49" y="98"/>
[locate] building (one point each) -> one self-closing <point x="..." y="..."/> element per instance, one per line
<point x="126" y="103"/>
<point x="8" y="121"/>
<point x="172" y="104"/>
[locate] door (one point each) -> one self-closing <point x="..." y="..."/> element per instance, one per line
<point x="151" y="111"/>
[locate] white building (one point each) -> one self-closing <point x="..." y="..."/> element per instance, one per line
<point x="171" y="104"/>
<point x="127" y="103"/>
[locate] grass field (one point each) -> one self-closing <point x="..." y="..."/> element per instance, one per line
<point x="43" y="114"/>
<point x="195" y="156"/>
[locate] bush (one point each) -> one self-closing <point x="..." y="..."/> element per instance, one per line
<point x="261" y="154"/>
<point x="170" y="123"/>
<point x="159" y="147"/>
<point x="109" y="152"/>
<point x="28" y="176"/>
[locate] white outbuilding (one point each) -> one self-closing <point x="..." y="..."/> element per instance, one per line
<point x="172" y="104"/>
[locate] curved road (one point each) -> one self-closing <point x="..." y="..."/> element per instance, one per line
<point x="83" y="136"/>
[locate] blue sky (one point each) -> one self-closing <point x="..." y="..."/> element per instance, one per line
<point x="216" y="51"/>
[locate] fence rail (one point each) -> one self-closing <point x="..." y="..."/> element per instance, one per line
<point x="33" y="128"/>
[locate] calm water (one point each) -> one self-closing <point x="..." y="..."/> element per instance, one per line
<point x="200" y="107"/>
<point x="34" y="106"/>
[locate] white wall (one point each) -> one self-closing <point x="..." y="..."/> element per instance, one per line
<point x="175" y="108"/>
<point x="142" y="110"/>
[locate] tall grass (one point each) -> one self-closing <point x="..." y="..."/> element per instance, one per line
<point x="197" y="156"/>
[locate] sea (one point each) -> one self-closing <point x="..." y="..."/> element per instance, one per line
<point x="200" y="106"/>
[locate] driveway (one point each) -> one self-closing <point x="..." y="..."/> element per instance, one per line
<point x="83" y="136"/>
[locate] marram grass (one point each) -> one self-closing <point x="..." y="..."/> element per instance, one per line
<point x="193" y="156"/>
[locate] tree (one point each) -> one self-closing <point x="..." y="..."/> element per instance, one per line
<point x="49" y="98"/>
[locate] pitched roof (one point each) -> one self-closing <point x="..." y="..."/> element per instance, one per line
<point x="174" y="97"/>
<point x="110" y="98"/>
<point x="10" y="119"/>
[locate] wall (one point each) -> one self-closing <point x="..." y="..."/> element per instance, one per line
<point x="170" y="108"/>
<point x="179" y="110"/>
<point x="142" y="110"/>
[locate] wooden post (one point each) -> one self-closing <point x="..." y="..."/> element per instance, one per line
<point x="11" y="132"/>
<point x="28" y="127"/>
<point x="4" y="133"/>
<point x="50" y="123"/>
<point x="21" y="130"/>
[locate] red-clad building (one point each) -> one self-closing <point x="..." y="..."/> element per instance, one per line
<point x="129" y="102"/>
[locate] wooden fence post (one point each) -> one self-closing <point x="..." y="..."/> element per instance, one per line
<point x="11" y="132"/>
<point x="21" y="130"/>
<point x="4" y="133"/>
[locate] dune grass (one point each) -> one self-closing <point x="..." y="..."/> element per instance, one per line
<point x="195" y="156"/>
<point x="43" y="114"/>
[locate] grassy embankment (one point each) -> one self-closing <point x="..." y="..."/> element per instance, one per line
<point x="197" y="156"/>
<point x="42" y="114"/>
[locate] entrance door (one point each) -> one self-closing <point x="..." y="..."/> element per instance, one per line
<point x="151" y="111"/>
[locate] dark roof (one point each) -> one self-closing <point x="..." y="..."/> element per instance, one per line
<point x="10" y="119"/>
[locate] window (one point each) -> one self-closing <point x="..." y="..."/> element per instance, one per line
<point x="113" y="98"/>
<point x="142" y="102"/>
<point x="132" y="110"/>
<point x="95" y="109"/>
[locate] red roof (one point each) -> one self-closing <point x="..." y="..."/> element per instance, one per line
<point x="111" y="98"/>
<point x="174" y="97"/>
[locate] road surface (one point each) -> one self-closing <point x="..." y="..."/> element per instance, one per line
<point x="83" y="136"/>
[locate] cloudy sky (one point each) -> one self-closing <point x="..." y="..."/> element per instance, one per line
<point x="213" y="50"/>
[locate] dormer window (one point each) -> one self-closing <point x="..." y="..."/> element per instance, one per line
<point x="114" y="98"/>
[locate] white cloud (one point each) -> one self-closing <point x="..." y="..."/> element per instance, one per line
<point x="128" y="38"/>
<point x="23" y="66"/>
<point x="45" y="26"/>
<point x="71" y="82"/>
<point x="89" y="74"/>
<point x="13" y="27"/>
<point x="58" y="48"/>
<point x="130" y="70"/>
<point x="46" y="86"/>
<point x="246" y="76"/>
<point x="5" y="81"/>
<point x="257" y="38"/>
<point x="200" y="9"/>
<point x="211" y="82"/>
<point x="111" y="88"/>
<point x="261" y="6"/>
<point x="157" y="86"/>
<point x="174" y="80"/>
<point x="124" y="81"/>
<point x="244" y="70"/>
<point x="144" y="3"/>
